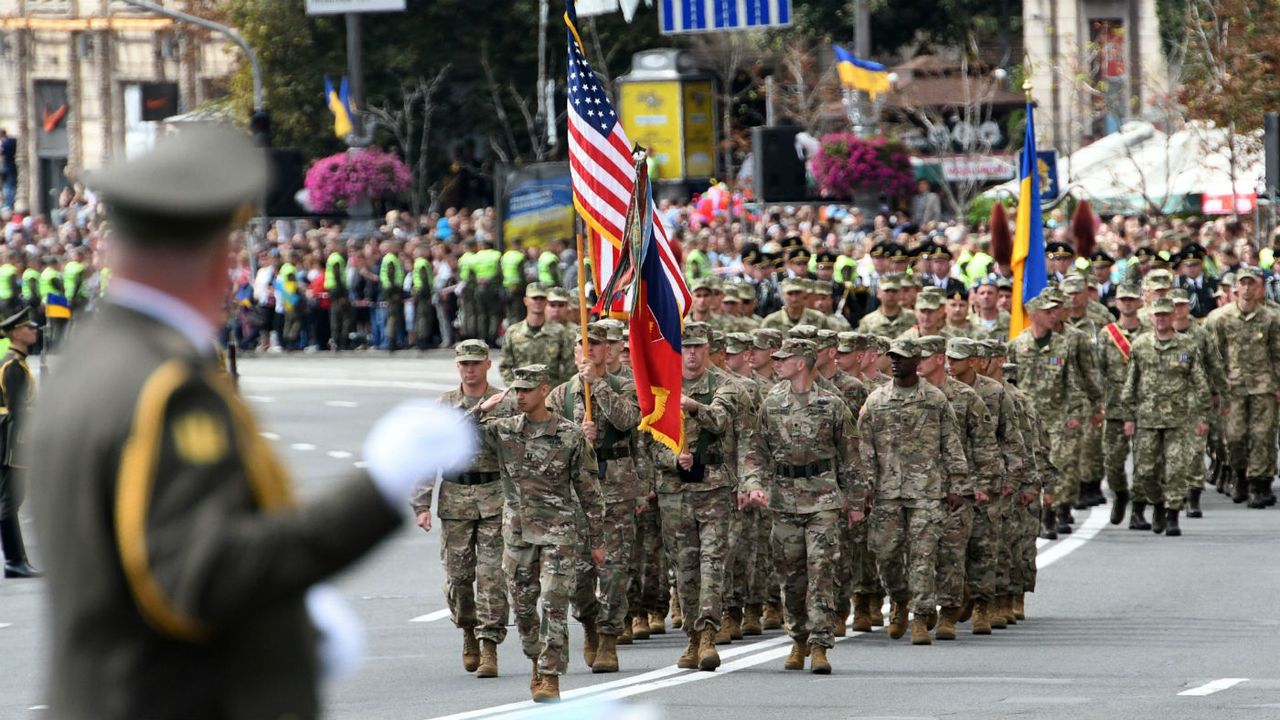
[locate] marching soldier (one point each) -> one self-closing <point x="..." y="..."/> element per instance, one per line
<point x="548" y="473"/>
<point x="17" y="394"/>
<point x="795" y="310"/>
<point x="471" y="533"/>
<point x="537" y="340"/>
<point x="892" y="317"/>
<point x="1115" y="342"/>
<point x="1183" y="324"/>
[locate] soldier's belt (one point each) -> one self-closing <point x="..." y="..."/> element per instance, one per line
<point x="617" y="452"/>
<point x="474" y="478"/>
<point x="802" y="471"/>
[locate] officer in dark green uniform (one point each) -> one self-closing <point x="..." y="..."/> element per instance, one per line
<point x="17" y="392"/>
<point x="180" y="566"/>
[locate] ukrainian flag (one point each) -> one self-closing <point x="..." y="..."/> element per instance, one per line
<point x="339" y="102"/>
<point x="1030" y="276"/>
<point x="56" y="306"/>
<point x="869" y="77"/>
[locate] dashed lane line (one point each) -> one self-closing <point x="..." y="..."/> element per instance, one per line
<point x="338" y="454"/>
<point x="302" y="447"/>
<point x="1210" y="688"/>
<point x="431" y="616"/>
<point x="341" y="403"/>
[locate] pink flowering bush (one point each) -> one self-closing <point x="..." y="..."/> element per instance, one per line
<point x="339" y="181"/>
<point x="846" y="164"/>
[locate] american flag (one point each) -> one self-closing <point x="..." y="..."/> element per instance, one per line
<point x="602" y="171"/>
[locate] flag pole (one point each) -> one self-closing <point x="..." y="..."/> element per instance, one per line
<point x="582" y="318"/>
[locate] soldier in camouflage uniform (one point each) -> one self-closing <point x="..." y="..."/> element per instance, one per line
<point x="795" y="311"/>
<point x="471" y="515"/>
<point x="766" y="585"/>
<point x="1248" y="338"/>
<point x="891" y="318"/>
<point x="1184" y="324"/>
<point x="931" y="319"/>
<point x="804" y="456"/>
<point x="915" y="465"/>
<point x="977" y="436"/>
<point x="549" y="481"/>
<point x="615" y="413"/>
<point x="1088" y="317"/>
<point x="1115" y="340"/>
<point x="562" y="309"/>
<point x="537" y="340"/>
<point x="1165" y="398"/>
<point x="695" y="499"/>
<point x="705" y="293"/>
<point x="745" y="572"/>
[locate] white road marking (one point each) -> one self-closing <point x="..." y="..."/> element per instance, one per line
<point x="360" y="464"/>
<point x="38" y="707"/>
<point x="269" y="436"/>
<point x="303" y="446"/>
<point x="672" y="676"/>
<point x="341" y="403"/>
<point x="432" y="616"/>
<point x="331" y="382"/>
<point x="1210" y="688"/>
<point x="339" y="454"/>
<point x="259" y="398"/>
<point x="5" y="625"/>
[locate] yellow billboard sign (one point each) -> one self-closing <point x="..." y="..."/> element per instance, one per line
<point x="699" y="129"/>
<point x="651" y="116"/>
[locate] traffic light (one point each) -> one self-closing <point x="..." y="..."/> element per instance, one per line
<point x="260" y="128"/>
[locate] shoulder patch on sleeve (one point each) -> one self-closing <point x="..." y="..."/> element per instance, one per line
<point x="199" y="438"/>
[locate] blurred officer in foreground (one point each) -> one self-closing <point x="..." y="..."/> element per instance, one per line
<point x="182" y="571"/>
<point x="17" y="393"/>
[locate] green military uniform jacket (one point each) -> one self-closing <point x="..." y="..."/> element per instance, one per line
<point x="177" y="559"/>
<point x="616" y="413"/>
<point x="780" y="320"/>
<point x="548" y="344"/>
<point x="704" y="431"/>
<point x="911" y="446"/>
<point x="877" y="323"/>
<point x="1166" y="385"/>
<point x="472" y="495"/>
<point x="17" y="394"/>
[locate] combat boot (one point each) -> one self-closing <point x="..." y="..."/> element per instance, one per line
<point x="818" y="663"/>
<point x="981" y="618"/>
<point x="548" y="690"/>
<point x="1086" y="497"/>
<point x="16" y="564"/>
<point x="1064" y="519"/>
<point x="861" y="613"/>
<point x="626" y="637"/>
<point x="839" y="619"/>
<point x="1020" y="606"/>
<point x="799" y="651"/>
<point x="590" y="642"/>
<point x="1099" y="498"/>
<point x="772" y="616"/>
<point x="1048" y="523"/>
<point x="946" y="629"/>
<point x="1006" y="607"/>
<point x="1268" y="496"/>
<point x="751" y="620"/>
<point x="1138" y="518"/>
<point x="1157" y="518"/>
<point x="1117" y="508"/>
<point x="723" y="637"/>
<point x="606" y="655"/>
<point x="920" y="631"/>
<point x="689" y="658"/>
<point x="708" y="658"/>
<point x="470" y="650"/>
<point x="677" y="617"/>
<point x="735" y="623"/>
<point x="1171" y="528"/>
<point x="488" y="660"/>
<point x="657" y="624"/>
<point x="1240" y="488"/>
<point x="995" y="617"/>
<point x="877" y="610"/>
<point x="536" y="680"/>
<point x="897" y="619"/>
<point x="966" y="607"/>
<point x="640" y="627"/>
<point x="1257" y="495"/>
<point x="1193" y="504"/>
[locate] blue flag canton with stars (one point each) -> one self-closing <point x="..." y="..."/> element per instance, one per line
<point x="586" y="96"/>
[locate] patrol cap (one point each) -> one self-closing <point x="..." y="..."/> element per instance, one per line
<point x="796" y="346"/>
<point x="702" y="283"/>
<point x="717" y="340"/>
<point x="1157" y="280"/>
<point x="22" y="318"/>
<point x="471" y="351"/>
<point x="746" y="293"/>
<point x="963" y="348"/>
<point x="737" y="342"/>
<point x="1180" y="296"/>
<point x="557" y="295"/>
<point x="696" y="333"/>
<point x="1227" y="279"/>
<point x="804" y="332"/>
<point x="903" y="347"/>
<point x="930" y="298"/>
<point x="822" y="287"/>
<point x="1128" y="291"/>
<point x="191" y="187"/>
<point x="766" y="339"/>
<point x="597" y="333"/>
<point x="825" y="338"/>
<point x="931" y="345"/>
<point x="847" y="342"/>
<point x="1072" y="284"/>
<point x="614" y="329"/>
<point x="1041" y="302"/>
<point x="1054" y="294"/>
<point x="536" y="290"/>
<point x="791" y="285"/>
<point x="879" y="344"/>
<point x="530" y="377"/>
<point x="731" y="295"/>
<point x="1249" y="272"/>
<point x="1161" y="305"/>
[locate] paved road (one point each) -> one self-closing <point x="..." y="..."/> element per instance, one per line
<point x="1123" y="625"/>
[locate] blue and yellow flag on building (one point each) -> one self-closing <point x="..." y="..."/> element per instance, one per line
<point x="869" y="77"/>
<point x="1030" y="275"/>
<point x="339" y="102"/>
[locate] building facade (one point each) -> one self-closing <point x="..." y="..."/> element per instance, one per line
<point x="83" y="80"/>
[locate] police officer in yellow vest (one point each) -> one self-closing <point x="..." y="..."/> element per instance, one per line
<point x="391" y="275"/>
<point x="424" y="299"/>
<point x="485" y="267"/>
<point x="513" y="280"/>
<point x="341" y="320"/>
<point x="10" y="271"/>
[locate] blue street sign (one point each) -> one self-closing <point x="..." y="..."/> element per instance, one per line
<point x="692" y="16"/>
<point x="1048" y="162"/>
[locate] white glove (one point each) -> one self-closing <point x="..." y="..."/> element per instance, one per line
<point x="341" y="649"/>
<point x="415" y="442"/>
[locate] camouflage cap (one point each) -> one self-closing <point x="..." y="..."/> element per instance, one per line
<point x="847" y="342"/>
<point x="471" y="351"/>
<point x="535" y="290"/>
<point x="823" y="287"/>
<point x="616" y="329"/>
<point x="731" y="295"/>
<point x="737" y="342"/>
<point x="1054" y="294"/>
<point x="746" y="293"/>
<point x="880" y="344"/>
<point x="597" y="332"/>
<point x="696" y="333"/>
<point x="931" y="345"/>
<point x="825" y="338"/>
<point x="530" y="377"/>
<point x="930" y="298"/>
<point x="891" y="281"/>
<point x="702" y="283"/>
<point x="1227" y="279"/>
<point x="1157" y="280"/>
<point x="793" y="285"/>
<point x="904" y="347"/>
<point x="717" y="340"/>
<point x="1043" y="301"/>
<point x="557" y="295"/>
<point x="1249" y="272"/>
<point x="1072" y="284"/>
<point x="1161" y="305"/>
<point x="993" y="348"/>
<point x="796" y="346"/>
<point x="1128" y="291"/>
<point x="963" y="348"/>
<point x="1180" y="296"/>
<point x="804" y="332"/>
<point x="766" y="339"/>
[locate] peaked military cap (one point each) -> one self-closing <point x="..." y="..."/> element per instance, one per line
<point x="19" y="319"/>
<point x="1101" y="258"/>
<point x="1059" y="249"/>
<point x="530" y="377"/>
<point x="471" y="351"/>
<point x="826" y="258"/>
